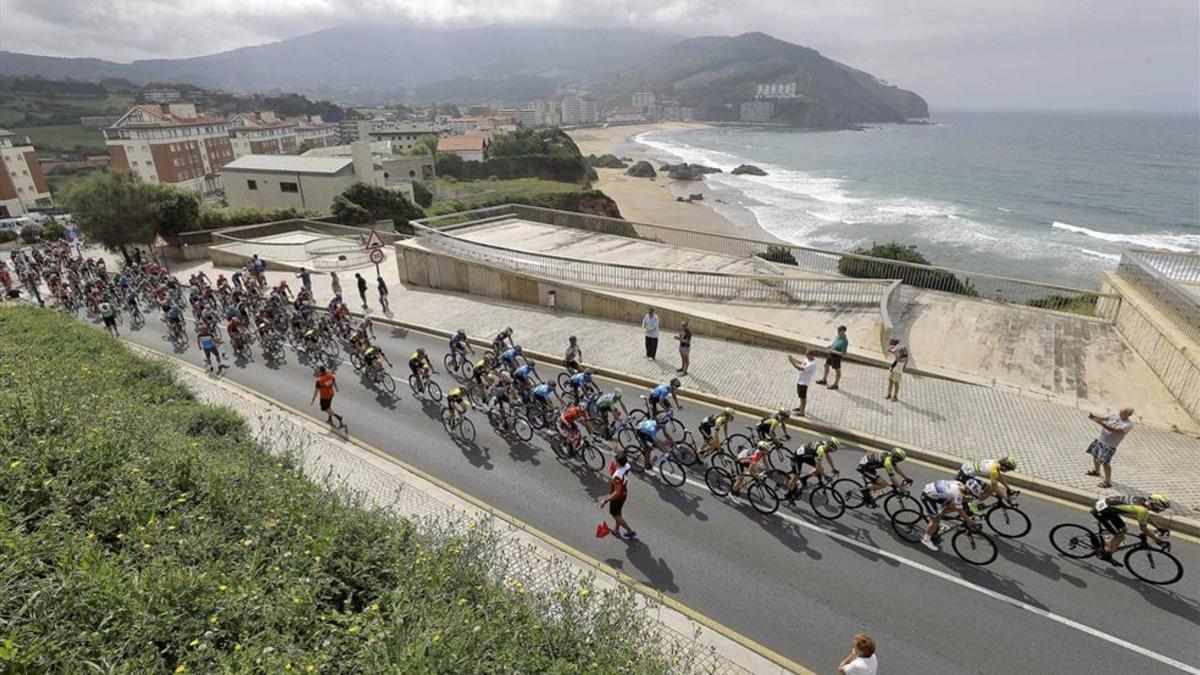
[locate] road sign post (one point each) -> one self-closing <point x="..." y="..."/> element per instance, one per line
<point x="376" y="257"/>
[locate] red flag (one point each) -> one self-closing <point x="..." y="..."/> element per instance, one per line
<point x="602" y="530"/>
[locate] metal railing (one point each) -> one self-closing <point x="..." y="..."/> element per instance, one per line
<point x="1032" y="294"/>
<point x="339" y="247"/>
<point x="743" y="288"/>
<point x="1139" y="267"/>
<point x="1182" y="267"/>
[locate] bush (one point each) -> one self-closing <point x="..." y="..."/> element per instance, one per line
<point x="349" y="213"/>
<point x="54" y="230"/>
<point x="779" y="254"/>
<point x="422" y="195"/>
<point x="215" y="218"/>
<point x="922" y="277"/>
<point x="145" y="529"/>
<point x="379" y="203"/>
<point x="7" y="236"/>
<point x="31" y="233"/>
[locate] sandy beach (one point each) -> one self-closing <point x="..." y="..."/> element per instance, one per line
<point x="652" y="200"/>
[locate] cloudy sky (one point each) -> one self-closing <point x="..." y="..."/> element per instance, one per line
<point x="974" y="53"/>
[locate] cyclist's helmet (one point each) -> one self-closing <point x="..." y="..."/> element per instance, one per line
<point x="531" y="364"/>
<point x="1007" y="464"/>
<point x="517" y="349"/>
<point x="460" y="333"/>
<point x="508" y="331"/>
<point x="833" y="443"/>
<point x="1160" y="500"/>
<point x="675" y="383"/>
<point x="616" y="393"/>
<point x="421" y="351"/>
<point x="783" y="415"/>
<point x="975" y="487"/>
<point x="899" y="455"/>
<point x="727" y="413"/>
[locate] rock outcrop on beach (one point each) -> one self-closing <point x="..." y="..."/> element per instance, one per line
<point x="642" y="169"/>
<point x="687" y="171"/>
<point x="607" y="161"/>
<point x="716" y="75"/>
<point x="748" y="169"/>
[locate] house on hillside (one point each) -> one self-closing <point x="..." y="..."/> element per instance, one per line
<point x="171" y="144"/>
<point x="469" y="148"/>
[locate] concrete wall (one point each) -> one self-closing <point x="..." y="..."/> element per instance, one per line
<point x="1174" y="359"/>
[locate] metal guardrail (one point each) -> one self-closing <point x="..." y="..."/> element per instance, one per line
<point x="1142" y="268"/>
<point x="340" y="247"/>
<point x="721" y="286"/>
<point x="1182" y="267"/>
<point x="1036" y="295"/>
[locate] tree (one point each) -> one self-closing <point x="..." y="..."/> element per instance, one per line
<point x="178" y="210"/>
<point x="379" y="202"/>
<point x="115" y="209"/>
<point x="349" y="213"/>
<point x="421" y="194"/>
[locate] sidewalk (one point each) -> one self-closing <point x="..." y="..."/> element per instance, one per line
<point x="530" y="563"/>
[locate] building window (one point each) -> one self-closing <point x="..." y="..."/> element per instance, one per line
<point x="289" y="187"/>
<point x="251" y="185"/>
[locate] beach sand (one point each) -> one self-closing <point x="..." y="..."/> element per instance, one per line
<point x="653" y="200"/>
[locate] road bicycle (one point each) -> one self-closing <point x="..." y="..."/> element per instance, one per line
<point x="457" y="422"/>
<point x="382" y="379"/>
<point x="1147" y="561"/>
<point x="512" y="423"/>
<point x="666" y="419"/>
<point x="459" y="364"/>
<point x="969" y="541"/>
<point x="178" y="334"/>
<point x="587" y="448"/>
<point x="762" y="490"/>
<point x="1007" y="521"/>
<point x="824" y="496"/>
<point x="425" y="385"/>
<point x="893" y="500"/>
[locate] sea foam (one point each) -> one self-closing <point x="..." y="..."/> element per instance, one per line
<point x="1180" y="243"/>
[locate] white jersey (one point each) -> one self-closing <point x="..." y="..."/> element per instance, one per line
<point x="985" y="470"/>
<point x="946" y="491"/>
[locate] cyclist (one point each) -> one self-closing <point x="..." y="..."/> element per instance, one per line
<point x="456" y="402"/>
<point x="749" y="461"/>
<point x="509" y="356"/>
<point x="610" y="408"/>
<point x="131" y="301"/>
<point x="990" y="472"/>
<point x="311" y="339"/>
<point x="371" y="356"/>
<point x="234" y="328"/>
<point x="480" y="371"/>
<point x="579" y="383"/>
<point x="459" y="346"/>
<point x="872" y="462"/>
<point x="174" y="317"/>
<point x="526" y="375"/>
<point x="648" y="432"/>
<point x="366" y="325"/>
<point x="946" y="496"/>
<point x="769" y="425"/>
<point x="711" y="428"/>
<point x="498" y="384"/>
<point x="420" y="364"/>
<point x="662" y="395"/>
<point x="811" y="453"/>
<point x="1108" y="512"/>
<point x="542" y="396"/>
<point x="502" y="341"/>
<point x="567" y="424"/>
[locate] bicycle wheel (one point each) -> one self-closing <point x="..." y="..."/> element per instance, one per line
<point x="386" y="381"/>
<point x="675" y="428"/>
<point x="446" y="419"/>
<point x="564" y="381"/>
<point x="850" y="491"/>
<point x="671" y="472"/>
<point x="434" y="390"/>
<point x="561" y="447"/>
<point x="685" y="453"/>
<point x="414" y="384"/>
<point x="736" y="441"/>
<point x="466" y="429"/>
<point x="778" y="481"/>
<point x="724" y="460"/>
<point x="718" y="480"/>
<point x="763" y="498"/>
<point x="1074" y="541"/>
<point x="537" y="418"/>
<point x="898" y="501"/>
<point x="909" y="524"/>
<point x="1010" y="523"/>
<point x="627" y="437"/>
<point x="522" y="429"/>
<point x="976" y="548"/>
<point x="467" y="369"/>
<point x="449" y="363"/>
<point x="780" y="457"/>
<point x="477" y="396"/>
<point x="1153" y="565"/>
<point x="137" y="321"/>
<point x="637" y="416"/>
<point x="593" y="457"/>
<point x="356" y="361"/>
<point x="827" y="503"/>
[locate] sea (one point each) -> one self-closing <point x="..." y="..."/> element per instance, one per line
<point x="1048" y="196"/>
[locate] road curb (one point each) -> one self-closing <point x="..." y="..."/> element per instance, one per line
<point x="1081" y="498"/>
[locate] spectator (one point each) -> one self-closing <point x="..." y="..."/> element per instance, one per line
<point x="833" y="359"/>
<point x="383" y="295"/>
<point x="861" y="659"/>
<point x="807" y="369"/>
<point x="335" y="283"/>
<point x="362" y="288"/>
<point x="616" y="498"/>
<point x="208" y="345"/>
<point x="305" y="279"/>
<point x="899" y="354"/>
<point x="258" y="266"/>
<point x="573" y="357"/>
<point x="685" y="346"/>
<point x="326" y="387"/>
<point x="650" y="326"/>
<point x="1112" y="431"/>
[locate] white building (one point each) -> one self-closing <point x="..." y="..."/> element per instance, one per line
<point x="777" y="90"/>
<point x="170" y="144"/>
<point x="642" y="100"/>
<point x="22" y="183"/>
<point x="403" y="136"/>
<point x="577" y="110"/>
<point x="303" y="182"/>
<point x="262" y="133"/>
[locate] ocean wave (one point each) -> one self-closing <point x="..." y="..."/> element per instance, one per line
<point x="1097" y="254"/>
<point x="1001" y="208"/>
<point x="1180" y="243"/>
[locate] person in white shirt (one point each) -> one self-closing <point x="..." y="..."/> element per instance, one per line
<point x="1113" y="430"/>
<point x="899" y="354"/>
<point x="806" y="367"/>
<point x="861" y="659"/>
<point x="650" y="327"/>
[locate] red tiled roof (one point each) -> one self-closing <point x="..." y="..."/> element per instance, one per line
<point x="452" y="143"/>
<point x="166" y="119"/>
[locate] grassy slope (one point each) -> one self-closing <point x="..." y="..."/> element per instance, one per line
<point x="142" y="531"/>
<point x="459" y="195"/>
<point x="64" y="138"/>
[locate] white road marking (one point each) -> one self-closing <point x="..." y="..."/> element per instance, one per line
<point x="1070" y="623"/>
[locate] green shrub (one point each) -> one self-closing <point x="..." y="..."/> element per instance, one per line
<point x="422" y="194"/>
<point x="54" y="231"/>
<point x="31" y="233"/>
<point x="1084" y="304"/>
<point x="145" y="532"/>
<point x="7" y="236"/>
<point x="779" y="254"/>
<point x="922" y="277"/>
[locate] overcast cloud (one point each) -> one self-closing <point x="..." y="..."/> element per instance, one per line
<point x="998" y="53"/>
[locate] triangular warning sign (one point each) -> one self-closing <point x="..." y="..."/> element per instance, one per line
<point x="374" y="241"/>
<point x="159" y="242"/>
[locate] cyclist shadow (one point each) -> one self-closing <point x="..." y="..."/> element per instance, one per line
<point x="1045" y="564"/>
<point x="655" y="571"/>
<point x="685" y="502"/>
<point x="788" y="533"/>
<point x="477" y="455"/>
<point x="863" y="535"/>
<point x="1159" y="596"/>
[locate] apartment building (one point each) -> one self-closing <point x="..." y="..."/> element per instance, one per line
<point x="22" y="183"/>
<point x="171" y="144"/>
<point x="578" y="110"/>
<point x="314" y="132"/>
<point x="262" y="132"/>
<point x="642" y="100"/>
<point x="404" y="137"/>
<point x="355" y="130"/>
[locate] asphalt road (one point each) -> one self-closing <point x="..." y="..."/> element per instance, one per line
<point x="796" y="583"/>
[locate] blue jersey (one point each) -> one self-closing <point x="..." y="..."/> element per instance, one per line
<point x="174" y="313"/>
<point x="231" y="312"/>
<point x="581" y="379"/>
<point x="543" y="390"/>
<point x="509" y="355"/>
<point x="648" y="428"/>
<point x="660" y="392"/>
<point x="523" y="373"/>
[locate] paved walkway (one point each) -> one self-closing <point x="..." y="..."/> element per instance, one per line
<point x="529" y="564"/>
